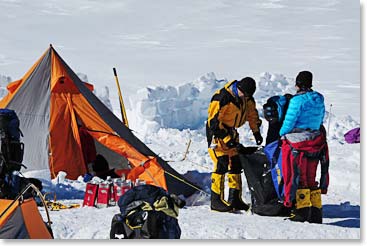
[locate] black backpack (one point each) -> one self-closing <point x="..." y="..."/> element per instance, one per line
<point x="11" y="157"/>
<point x="264" y="199"/>
<point x="275" y="108"/>
<point x="140" y="218"/>
<point x="12" y="149"/>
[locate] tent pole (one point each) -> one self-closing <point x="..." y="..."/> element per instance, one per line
<point x="328" y="127"/>
<point x="122" y="107"/>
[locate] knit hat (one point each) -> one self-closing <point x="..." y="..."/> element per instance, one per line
<point x="304" y="79"/>
<point x="247" y="86"/>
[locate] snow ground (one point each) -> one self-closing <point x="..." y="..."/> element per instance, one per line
<point x="341" y="205"/>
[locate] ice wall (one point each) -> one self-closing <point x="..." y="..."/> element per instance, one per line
<point x="182" y="107"/>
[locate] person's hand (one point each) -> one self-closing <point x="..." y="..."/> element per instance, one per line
<point x="258" y="138"/>
<point x="324" y="191"/>
<point x="231" y="144"/>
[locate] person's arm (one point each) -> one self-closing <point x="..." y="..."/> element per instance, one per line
<point x="217" y="109"/>
<point x="293" y="112"/>
<point x="254" y="120"/>
<point x="253" y="116"/>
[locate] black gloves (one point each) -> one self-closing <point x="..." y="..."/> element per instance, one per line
<point x="232" y="144"/>
<point x="240" y="148"/>
<point x="258" y="138"/>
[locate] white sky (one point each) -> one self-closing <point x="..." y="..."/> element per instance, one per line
<point x="170" y="42"/>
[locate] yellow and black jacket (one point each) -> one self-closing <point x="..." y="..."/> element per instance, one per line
<point x="228" y="112"/>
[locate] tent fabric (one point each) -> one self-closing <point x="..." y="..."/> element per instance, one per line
<point x="22" y="221"/>
<point x="34" y="114"/>
<point x="51" y="100"/>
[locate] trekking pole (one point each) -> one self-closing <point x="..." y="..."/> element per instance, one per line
<point x="328" y="127"/>
<point x="122" y="107"/>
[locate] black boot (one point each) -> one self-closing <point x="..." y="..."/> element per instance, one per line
<point x="234" y="198"/>
<point x="235" y="192"/>
<point x="302" y="211"/>
<point x="316" y="209"/>
<point x="316" y="215"/>
<point x="217" y="202"/>
<point x="300" y="215"/>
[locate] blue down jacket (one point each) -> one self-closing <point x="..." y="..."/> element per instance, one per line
<point x="306" y="110"/>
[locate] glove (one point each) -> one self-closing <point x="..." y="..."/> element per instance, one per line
<point x="231" y="144"/>
<point x="324" y="191"/>
<point x="258" y="138"/>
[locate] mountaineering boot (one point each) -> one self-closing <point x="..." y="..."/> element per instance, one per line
<point x="235" y="192"/>
<point x="235" y="200"/>
<point x="217" y="202"/>
<point x="303" y="206"/>
<point x="316" y="208"/>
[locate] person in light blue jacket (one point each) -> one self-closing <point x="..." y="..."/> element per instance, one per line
<point x="303" y="146"/>
<point x="306" y="109"/>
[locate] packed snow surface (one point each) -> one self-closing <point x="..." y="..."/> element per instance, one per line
<point x="169" y="140"/>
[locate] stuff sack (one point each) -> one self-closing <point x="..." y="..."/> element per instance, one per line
<point x="353" y="136"/>
<point x="147" y="212"/>
<point x="264" y="198"/>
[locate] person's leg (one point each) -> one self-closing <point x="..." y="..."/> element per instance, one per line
<point x="220" y="161"/>
<point x="315" y="195"/>
<point x="235" y="185"/>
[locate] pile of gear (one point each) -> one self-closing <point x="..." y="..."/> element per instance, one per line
<point x="147" y="212"/>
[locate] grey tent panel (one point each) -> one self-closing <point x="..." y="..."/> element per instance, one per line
<point x="32" y="105"/>
<point x="114" y="160"/>
<point x="14" y="228"/>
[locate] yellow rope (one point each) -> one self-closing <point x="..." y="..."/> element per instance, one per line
<point x="183" y="181"/>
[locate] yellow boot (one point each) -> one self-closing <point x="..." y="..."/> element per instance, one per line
<point x="303" y="206"/>
<point x="235" y="192"/>
<point x="316" y="208"/>
<point x="217" y="202"/>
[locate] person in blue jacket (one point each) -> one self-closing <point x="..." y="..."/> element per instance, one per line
<point x="303" y="146"/>
<point x="306" y="109"/>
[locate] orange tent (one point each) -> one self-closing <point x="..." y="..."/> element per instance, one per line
<point x="50" y="101"/>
